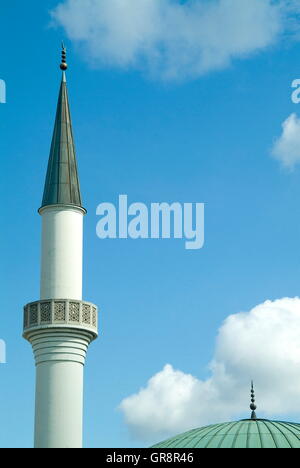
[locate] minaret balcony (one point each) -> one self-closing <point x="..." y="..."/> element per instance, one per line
<point x="61" y="313"/>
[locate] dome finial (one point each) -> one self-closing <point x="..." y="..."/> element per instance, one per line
<point x="253" y="405"/>
<point x="63" y="65"/>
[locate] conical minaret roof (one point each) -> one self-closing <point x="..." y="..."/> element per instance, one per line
<point x="62" y="182"/>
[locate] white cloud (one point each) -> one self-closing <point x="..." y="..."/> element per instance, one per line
<point x="172" y="39"/>
<point x="262" y="344"/>
<point x="287" y="147"/>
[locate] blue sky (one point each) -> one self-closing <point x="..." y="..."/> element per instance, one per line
<point x="206" y="138"/>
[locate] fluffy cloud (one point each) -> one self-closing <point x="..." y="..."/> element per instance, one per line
<point x="173" y="39"/>
<point x="287" y="147"/>
<point x="262" y="344"/>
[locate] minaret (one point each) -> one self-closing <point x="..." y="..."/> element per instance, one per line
<point x="60" y="326"/>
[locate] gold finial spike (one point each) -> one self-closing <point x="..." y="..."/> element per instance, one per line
<point x="63" y="65"/>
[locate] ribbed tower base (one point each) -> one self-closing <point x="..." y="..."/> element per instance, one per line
<point x="60" y="350"/>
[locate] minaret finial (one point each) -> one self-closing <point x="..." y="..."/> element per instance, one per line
<point x="63" y="65"/>
<point x="253" y="405"/>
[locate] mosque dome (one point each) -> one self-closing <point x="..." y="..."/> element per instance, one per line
<point x="247" y="433"/>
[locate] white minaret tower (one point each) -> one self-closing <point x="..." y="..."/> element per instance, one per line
<point x="60" y="326"/>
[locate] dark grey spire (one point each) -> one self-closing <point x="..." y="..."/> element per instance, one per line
<point x="253" y="405"/>
<point x="62" y="183"/>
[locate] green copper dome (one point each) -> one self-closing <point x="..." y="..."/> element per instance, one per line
<point x="248" y="433"/>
